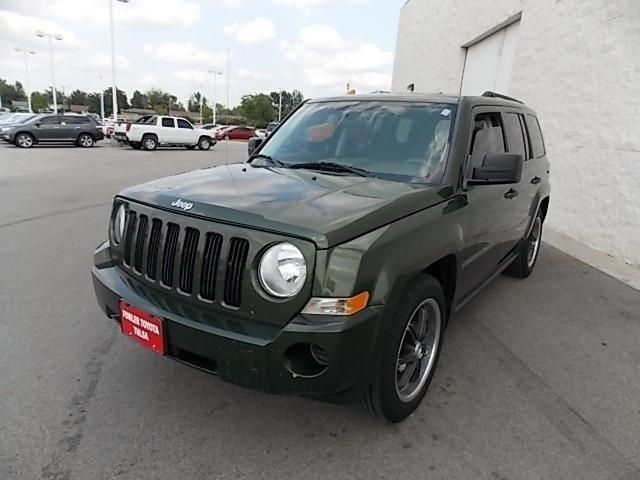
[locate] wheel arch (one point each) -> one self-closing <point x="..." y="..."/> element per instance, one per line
<point x="25" y="132"/>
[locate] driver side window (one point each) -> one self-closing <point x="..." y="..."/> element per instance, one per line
<point x="487" y="137"/>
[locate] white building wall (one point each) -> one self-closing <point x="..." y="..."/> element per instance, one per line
<point x="578" y="65"/>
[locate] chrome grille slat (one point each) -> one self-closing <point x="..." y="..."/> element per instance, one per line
<point x="238" y="250"/>
<point x="153" y="248"/>
<point x="169" y="257"/>
<point x="212" y="250"/>
<point x="187" y="263"/>
<point x="128" y="239"/>
<point x="143" y="223"/>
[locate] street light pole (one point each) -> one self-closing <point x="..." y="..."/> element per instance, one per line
<point x="26" y="53"/>
<point x="101" y="98"/>
<point x="114" y="89"/>
<point x="215" y="88"/>
<point x="51" y="36"/>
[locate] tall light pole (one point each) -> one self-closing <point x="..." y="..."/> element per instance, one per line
<point x="101" y="98"/>
<point x="215" y="87"/>
<point x="228" y="75"/>
<point x="26" y="53"/>
<point x="51" y="36"/>
<point x="114" y="91"/>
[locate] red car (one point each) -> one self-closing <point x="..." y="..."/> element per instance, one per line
<point x="235" y="133"/>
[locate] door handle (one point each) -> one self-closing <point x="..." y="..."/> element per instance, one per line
<point x="511" y="193"/>
<point x="536" y="180"/>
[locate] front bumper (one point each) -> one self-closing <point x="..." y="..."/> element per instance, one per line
<point x="251" y="355"/>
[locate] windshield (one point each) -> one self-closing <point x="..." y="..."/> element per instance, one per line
<point x="404" y="141"/>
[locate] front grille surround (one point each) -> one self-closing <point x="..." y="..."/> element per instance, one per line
<point x="205" y="262"/>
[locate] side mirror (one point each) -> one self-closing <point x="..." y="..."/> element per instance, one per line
<point x="498" y="169"/>
<point x="254" y="143"/>
<point x="37" y="124"/>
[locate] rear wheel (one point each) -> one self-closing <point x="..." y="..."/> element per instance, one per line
<point x="410" y="355"/>
<point x="85" y="140"/>
<point x="204" y="143"/>
<point x="528" y="250"/>
<point x="24" y="140"/>
<point x="149" y="142"/>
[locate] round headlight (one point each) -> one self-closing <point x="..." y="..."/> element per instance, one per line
<point x="118" y="224"/>
<point x="282" y="270"/>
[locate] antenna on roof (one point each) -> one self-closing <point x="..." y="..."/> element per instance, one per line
<point x="411" y="87"/>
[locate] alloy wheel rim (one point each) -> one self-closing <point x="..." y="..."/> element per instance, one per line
<point x="534" y="242"/>
<point x="205" y="144"/>
<point x="418" y="350"/>
<point x="24" y="141"/>
<point x="85" y="141"/>
<point x="149" y="143"/>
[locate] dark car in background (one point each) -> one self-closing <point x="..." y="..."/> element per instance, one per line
<point x="80" y="130"/>
<point x="236" y="133"/>
<point x="270" y="128"/>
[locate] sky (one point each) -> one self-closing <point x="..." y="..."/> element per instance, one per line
<point x="316" y="46"/>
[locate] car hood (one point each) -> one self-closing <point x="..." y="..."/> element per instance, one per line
<point x="328" y="209"/>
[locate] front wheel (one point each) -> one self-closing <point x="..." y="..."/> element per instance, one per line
<point x="204" y="143"/>
<point x="528" y="250"/>
<point x="410" y="355"/>
<point x="24" y="140"/>
<point x="149" y="142"/>
<point x="85" y="140"/>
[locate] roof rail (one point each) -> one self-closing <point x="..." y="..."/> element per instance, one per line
<point x="489" y="93"/>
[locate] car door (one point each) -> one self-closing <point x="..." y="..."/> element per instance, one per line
<point x="518" y="142"/>
<point x="185" y="132"/>
<point x="537" y="172"/>
<point x="488" y="238"/>
<point x="71" y="126"/>
<point x="46" y="129"/>
<point x="168" y="130"/>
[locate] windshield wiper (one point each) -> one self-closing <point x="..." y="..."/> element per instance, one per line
<point x="333" y="167"/>
<point x="268" y="159"/>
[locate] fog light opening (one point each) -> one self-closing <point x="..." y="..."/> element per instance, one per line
<point x="306" y="360"/>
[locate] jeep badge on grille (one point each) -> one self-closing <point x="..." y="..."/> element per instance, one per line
<point x="179" y="203"/>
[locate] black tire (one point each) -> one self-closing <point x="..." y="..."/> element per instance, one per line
<point x="136" y="145"/>
<point x="85" y="140"/>
<point x="528" y="250"/>
<point x="204" y="143"/>
<point x="149" y="142"/>
<point x="383" y="398"/>
<point x="24" y="140"/>
<point x="190" y="147"/>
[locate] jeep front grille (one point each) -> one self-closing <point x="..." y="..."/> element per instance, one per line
<point x="185" y="258"/>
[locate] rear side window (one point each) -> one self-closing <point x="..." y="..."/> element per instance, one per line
<point x="515" y="136"/>
<point x="537" y="143"/>
<point x="168" y="122"/>
<point x="184" y="124"/>
<point x="72" y="120"/>
<point x="488" y="137"/>
<point x="49" y="121"/>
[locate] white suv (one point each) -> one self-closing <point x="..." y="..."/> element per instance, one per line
<point x="163" y="130"/>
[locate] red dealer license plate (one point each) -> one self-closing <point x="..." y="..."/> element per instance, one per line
<point x="144" y="328"/>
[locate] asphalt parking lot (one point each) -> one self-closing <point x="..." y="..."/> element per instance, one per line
<point x="539" y="379"/>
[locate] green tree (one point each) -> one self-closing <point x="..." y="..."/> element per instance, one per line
<point x="78" y="97"/>
<point x="108" y="104"/>
<point x="10" y="92"/>
<point x="139" y="100"/>
<point x="39" y="101"/>
<point x="290" y="100"/>
<point x="258" y="109"/>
